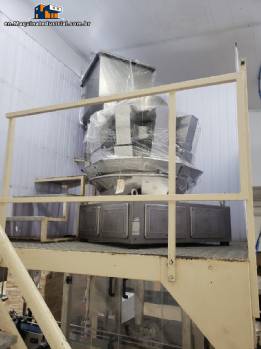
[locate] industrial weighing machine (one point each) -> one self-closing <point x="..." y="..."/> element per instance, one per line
<point x="126" y="153"/>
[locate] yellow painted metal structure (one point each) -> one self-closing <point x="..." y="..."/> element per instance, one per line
<point x="219" y="295"/>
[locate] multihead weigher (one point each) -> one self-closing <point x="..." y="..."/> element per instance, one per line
<point x="126" y="153"/>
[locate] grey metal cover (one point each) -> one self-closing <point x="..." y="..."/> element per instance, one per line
<point x="23" y="230"/>
<point x="208" y="222"/>
<point x="156" y="221"/>
<point x="114" y="221"/>
<point x="182" y="222"/>
<point x="90" y="220"/>
<point x="142" y="223"/>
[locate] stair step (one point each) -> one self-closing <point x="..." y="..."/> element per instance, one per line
<point x="67" y="181"/>
<point x="6" y="340"/>
<point x="36" y="218"/>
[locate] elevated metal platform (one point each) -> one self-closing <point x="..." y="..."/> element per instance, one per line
<point x="212" y="284"/>
<point x="234" y="252"/>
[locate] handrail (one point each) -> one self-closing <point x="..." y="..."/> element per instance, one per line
<point x="42" y="314"/>
<point x="178" y="86"/>
<point x="125" y="198"/>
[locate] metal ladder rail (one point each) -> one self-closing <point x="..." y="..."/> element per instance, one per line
<point x="32" y="296"/>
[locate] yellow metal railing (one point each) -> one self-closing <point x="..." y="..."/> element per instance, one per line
<point x="39" y="308"/>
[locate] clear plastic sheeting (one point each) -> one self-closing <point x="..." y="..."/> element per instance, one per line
<point x="131" y="138"/>
<point x="138" y="128"/>
<point x="187" y="135"/>
<point x="134" y="128"/>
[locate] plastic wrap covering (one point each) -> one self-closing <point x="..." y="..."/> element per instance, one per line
<point x="131" y="138"/>
<point x="116" y="313"/>
<point x="138" y="128"/>
<point x="109" y="74"/>
<point x="187" y="135"/>
<point x="135" y="128"/>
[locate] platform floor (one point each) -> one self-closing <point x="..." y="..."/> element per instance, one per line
<point x="234" y="252"/>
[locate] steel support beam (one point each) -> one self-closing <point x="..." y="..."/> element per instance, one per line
<point x="215" y="294"/>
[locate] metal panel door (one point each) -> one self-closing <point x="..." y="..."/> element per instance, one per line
<point x="114" y="221"/>
<point x="156" y="221"/>
<point x="208" y="222"/>
<point x="89" y="221"/>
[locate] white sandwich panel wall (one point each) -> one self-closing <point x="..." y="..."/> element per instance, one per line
<point x="45" y="145"/>
<point x="217" y="151"/>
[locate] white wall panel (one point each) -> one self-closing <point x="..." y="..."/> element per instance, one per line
<point x="217" y="152"/>
<point x="255" y="132"/>
<point x="217" y="149"/>
<point x="29" y="77"/>
<point x="24" y="10"/>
